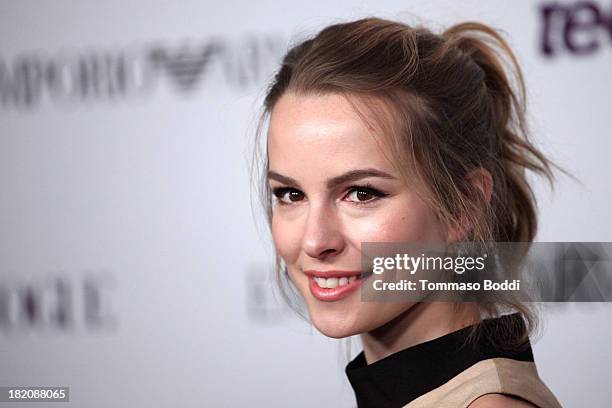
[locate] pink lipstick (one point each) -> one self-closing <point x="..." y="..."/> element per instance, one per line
<point x="333" y="285"/>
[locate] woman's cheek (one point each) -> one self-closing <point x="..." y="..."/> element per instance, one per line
<point x="286" y="239"/>
<point x="393" y="228"/>
<point x="378" y="228"/>
<point x="373" y="230"/>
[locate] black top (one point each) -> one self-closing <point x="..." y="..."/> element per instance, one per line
<point x="398" y="379"/>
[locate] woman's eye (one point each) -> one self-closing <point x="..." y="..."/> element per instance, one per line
<point x="364" y="195"/>
<point x="286" y="195"/>
<point x="357" y="194"/>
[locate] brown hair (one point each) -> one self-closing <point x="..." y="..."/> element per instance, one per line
<point x="451" y="103"/>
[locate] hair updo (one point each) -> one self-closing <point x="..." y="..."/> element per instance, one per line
<point x="447" y="103"/>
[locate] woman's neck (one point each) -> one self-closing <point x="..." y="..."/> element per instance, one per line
<point x="420" y="323"/>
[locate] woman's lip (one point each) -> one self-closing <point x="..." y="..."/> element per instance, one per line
<point x="332" y="294"/>
<point x="332" y="273"/>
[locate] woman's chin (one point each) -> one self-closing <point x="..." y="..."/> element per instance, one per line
<point x="336" y="328"/>
<point x="335" y="333"/>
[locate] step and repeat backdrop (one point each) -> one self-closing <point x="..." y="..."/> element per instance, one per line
<point x="132" y="267"/>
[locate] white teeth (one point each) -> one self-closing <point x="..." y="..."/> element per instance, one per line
<point x="321" y="282"/>
<point x="331" y="283"/>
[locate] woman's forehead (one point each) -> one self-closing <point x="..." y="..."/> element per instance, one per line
<point x="326" y="123"/>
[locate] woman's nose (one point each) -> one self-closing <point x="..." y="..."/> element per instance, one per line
<point x="322" y="234"/>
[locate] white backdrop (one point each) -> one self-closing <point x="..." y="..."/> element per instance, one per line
<point x="131" y="269"/>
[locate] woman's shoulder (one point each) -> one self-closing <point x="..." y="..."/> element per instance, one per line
<point x="499" y="401"/>
<point x="492" y="383"/>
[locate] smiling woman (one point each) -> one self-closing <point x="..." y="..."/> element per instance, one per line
<point x="318" y="223"/>
<point x="382" y="132"/>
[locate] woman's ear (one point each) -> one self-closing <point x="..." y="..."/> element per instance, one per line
<point x="482" y="180"/>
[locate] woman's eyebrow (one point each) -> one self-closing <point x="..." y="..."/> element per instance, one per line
<point x="355" y="175"/>
<point x="347" y="177"/>
<point x="272" y="175"/>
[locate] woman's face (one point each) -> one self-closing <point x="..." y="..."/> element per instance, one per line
<point x="334" y="188"/>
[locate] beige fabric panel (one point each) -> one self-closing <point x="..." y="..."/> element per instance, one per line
<point x="496" y="375"/>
